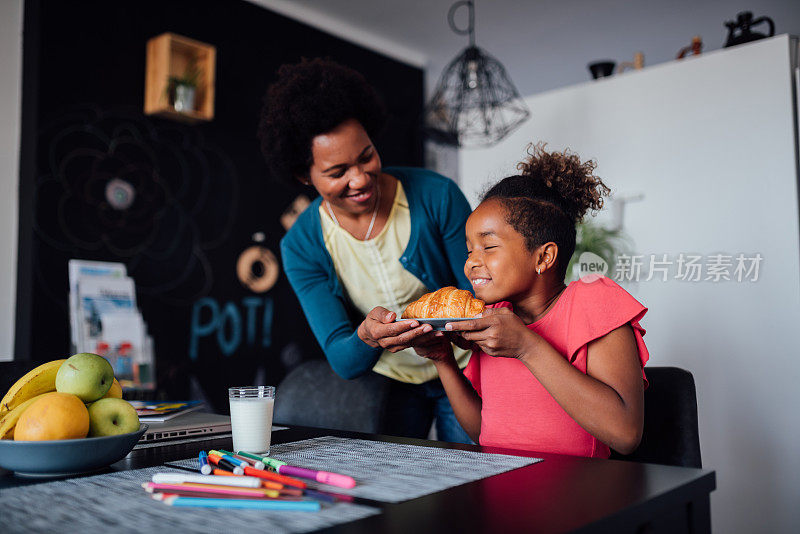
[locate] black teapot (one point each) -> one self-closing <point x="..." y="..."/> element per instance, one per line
<point x="744" y="21"/>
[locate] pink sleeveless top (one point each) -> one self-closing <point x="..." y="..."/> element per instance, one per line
<point x="517" y="411"/>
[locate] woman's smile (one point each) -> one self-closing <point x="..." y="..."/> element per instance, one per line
<point x="361" y="196"/>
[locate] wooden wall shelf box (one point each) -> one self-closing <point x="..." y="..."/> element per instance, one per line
<point x="169" y="55"/>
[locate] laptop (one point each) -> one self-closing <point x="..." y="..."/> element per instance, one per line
<point x="187" y="425"/>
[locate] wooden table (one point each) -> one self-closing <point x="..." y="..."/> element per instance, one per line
<point x="561" y="494"/>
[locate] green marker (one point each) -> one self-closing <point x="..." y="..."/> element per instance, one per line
<point x="258" y="464"/>
<point x="268" y="462"/>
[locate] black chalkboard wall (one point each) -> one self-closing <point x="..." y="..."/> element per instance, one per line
<point x="202" y="191"/>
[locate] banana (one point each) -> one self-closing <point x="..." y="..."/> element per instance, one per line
<point x="40" y="380"/>
<point x="9" y="421"/>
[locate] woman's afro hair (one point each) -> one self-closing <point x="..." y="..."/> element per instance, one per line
<point x="310" y="98"/>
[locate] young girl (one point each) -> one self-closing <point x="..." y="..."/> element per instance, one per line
<point x="555" y="368"/>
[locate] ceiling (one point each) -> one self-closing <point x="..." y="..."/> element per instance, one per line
<point x="544" y="44"/>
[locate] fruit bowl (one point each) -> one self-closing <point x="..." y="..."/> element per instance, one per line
<point x="66" y="457"/>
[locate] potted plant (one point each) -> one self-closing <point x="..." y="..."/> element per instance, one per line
<point x="597" y="239"/>
<point x="181" y="90"/>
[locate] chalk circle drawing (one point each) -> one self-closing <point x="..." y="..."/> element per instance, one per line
<point x="113" y="185"/>
<point x="120" y="194"/>
<point x="257" y="269"/>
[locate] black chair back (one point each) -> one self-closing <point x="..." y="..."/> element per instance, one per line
<point x="670" y="433"/>
<point x="313" y="395"/>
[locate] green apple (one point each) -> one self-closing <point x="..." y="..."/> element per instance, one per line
<point x="110" y="416"/>
<point x="86" y="375"/>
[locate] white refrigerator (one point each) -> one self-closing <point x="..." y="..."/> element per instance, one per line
<point x="706" y="151"/>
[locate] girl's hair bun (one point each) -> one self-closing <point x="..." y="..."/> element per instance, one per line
<point x="561" y="178"/>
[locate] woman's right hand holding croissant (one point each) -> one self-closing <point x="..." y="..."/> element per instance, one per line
<point x="378" y="329"/>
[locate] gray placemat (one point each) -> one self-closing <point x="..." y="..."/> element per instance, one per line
<point x="391" y="472"/>
<point x="116" y="503"/>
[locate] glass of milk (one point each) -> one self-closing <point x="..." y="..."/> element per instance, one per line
<point x="251" y="417"/>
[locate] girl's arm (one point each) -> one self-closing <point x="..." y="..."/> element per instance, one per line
<point x="607" y="401"/>
<point x="465" y="401"/>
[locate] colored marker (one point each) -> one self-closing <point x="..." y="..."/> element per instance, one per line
<point x="325" y="477"/>
<point x="204" y="467"/>
<point x="255" y="462"/>
<point x="231" y="459"/>
<point x="225" y="464"/>
<point x="269" y="475"/>
<point x="319" y="495"/>
<point x="177" y="478"/>
<point x="304" y="506"/>
<point x="210" y="488"/>
<point x="267" y="484"/>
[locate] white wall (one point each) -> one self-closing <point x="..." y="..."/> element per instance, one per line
<point x="711" y="144"/>
<point x="10" y="82"/>
<point x="548" y="43"/>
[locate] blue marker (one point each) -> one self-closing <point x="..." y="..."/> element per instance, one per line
<point x="205" y="468"/>
<point x="231" y="459"/>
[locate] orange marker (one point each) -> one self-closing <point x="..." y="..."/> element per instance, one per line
<point x="268" y="484"/>
<point x="216" y="460"/>
<point x="269" y="475"/>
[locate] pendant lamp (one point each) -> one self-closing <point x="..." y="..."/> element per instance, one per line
<point x="475" y="102"/>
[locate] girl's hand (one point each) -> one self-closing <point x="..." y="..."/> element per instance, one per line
<point x="435" y="346"/>
<point x="378" y="329"/>
<point x="498" y="332"/>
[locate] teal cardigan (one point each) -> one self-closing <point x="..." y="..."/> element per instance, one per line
<point x="435" y="254"/>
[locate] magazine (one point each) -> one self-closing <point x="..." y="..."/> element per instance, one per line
<point x="99" y="296"/>
<point x="84" y="268"/>
<point x="157" y="411"/>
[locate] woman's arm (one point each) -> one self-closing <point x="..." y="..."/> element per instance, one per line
<point x="348" y="355"/>
<point x="464" y="399"/>
<point x="607" y="401"/>
<point x="351" y="351"/>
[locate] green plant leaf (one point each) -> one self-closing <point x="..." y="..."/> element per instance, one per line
<point x="597" y="239"/>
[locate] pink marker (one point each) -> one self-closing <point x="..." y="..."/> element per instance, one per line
<point x="325" y="477"/>
<point x="334" y="479"/>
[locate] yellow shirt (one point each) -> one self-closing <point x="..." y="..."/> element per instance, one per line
<point x="372" y="275"/>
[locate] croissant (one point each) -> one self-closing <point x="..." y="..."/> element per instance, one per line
<point x="444" y="303"/>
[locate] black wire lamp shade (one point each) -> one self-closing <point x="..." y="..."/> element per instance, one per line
<point x="475" y="102"/>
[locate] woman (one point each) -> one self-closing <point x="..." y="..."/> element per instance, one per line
<point x="373" y="241"/>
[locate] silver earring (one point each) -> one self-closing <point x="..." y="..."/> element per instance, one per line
<point x="538" y="271"/>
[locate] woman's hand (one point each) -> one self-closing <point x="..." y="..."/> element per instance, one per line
<point x="498" y="332"/>
<point x="378" y="329"/>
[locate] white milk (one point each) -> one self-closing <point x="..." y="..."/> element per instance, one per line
<point x="251" y="424"/>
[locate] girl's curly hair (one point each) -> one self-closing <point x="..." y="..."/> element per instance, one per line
<point x="552" y="195"/>
<point x="310" y="98"/>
